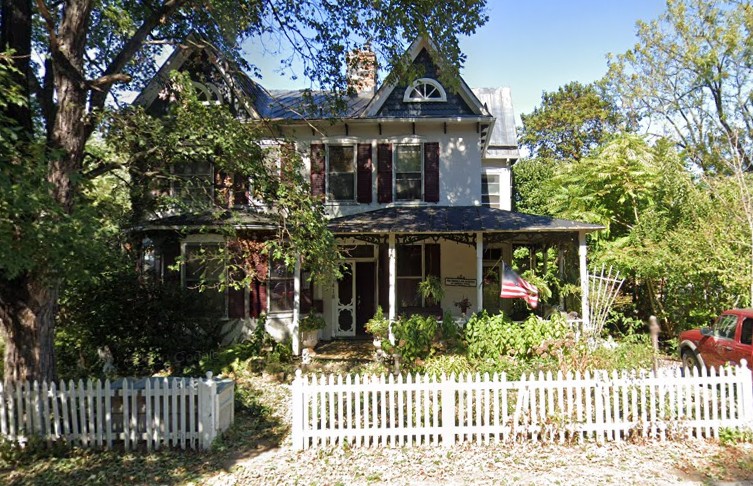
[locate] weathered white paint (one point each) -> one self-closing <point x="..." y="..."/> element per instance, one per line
<point x="174" y="412"/>
<point x="295" y="325"/>
<point x="479" y="271"/>
<point x="457" y="260"/>
<point x="392" y="258"/>
<point x="601" y="406"/>
<point x="582" y="249"/>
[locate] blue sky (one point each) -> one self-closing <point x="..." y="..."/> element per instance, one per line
<point x="532" y="45"/>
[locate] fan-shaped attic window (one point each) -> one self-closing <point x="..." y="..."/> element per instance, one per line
<point x="424" y="90"/>
<point x="207" y="92"/>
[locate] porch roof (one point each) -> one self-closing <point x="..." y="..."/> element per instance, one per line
<point x="453" y="219"/>
<point x="238" y="219"/>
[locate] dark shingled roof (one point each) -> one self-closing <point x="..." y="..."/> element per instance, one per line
<point x="236" y="218"/>
<point x="457" y="219"/>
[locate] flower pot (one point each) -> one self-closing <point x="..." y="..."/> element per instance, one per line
<point x="310" y="339"/>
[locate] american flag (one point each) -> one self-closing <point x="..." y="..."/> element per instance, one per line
<point x="513" y="286"/>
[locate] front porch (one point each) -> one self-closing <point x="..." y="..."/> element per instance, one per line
<point x="390" y="251"/>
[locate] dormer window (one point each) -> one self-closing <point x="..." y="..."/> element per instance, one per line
<point x="424" y="90"/>
<point x="207" y="93"/>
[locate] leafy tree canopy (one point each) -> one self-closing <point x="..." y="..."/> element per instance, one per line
<point x="689" y="77"/>
<point x="569" y="123"/>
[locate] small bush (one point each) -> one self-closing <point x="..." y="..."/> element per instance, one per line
<point x="447" y="364"/>
<point x="414" y="337"/>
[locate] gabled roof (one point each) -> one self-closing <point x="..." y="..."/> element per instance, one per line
<point x="419" y="45"/>
<point x="231" y="74"/>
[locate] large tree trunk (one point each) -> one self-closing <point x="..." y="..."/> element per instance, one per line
<point x="27" y="313"/>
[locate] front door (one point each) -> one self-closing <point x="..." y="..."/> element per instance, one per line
<point x="345" y="308"/>
<point x="365" y="294"/>
<point x="355" y="299"/>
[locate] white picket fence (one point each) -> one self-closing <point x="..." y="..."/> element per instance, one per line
<point x="371" y="411"/>
<point x="155" y="412"/>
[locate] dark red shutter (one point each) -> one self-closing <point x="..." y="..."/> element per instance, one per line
<point x="259" y="288"/>
<point x="236" y="303"/>
<point x="170" y="254"/>
<point x="384" y="173"/>
<point x="317" y="170"/>
<point x="240" y="190"/>
<point x="364" y="168"/>
<point x="431" y="172"/>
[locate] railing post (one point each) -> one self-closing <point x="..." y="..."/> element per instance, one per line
<point x="746" y="378"/>
<point x="448" y="410"/>
<point x="207" y="412"/>
<point x="297" y="390"/>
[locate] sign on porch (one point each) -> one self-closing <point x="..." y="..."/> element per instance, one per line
<point x="460" y="282"/>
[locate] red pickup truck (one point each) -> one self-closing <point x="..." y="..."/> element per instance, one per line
<point x="729" y="340"/>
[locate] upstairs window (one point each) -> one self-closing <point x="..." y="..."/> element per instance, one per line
<point x="207" y="93"/>
<point x="491" y="190"/>
<point x="424" y="90"/>
<point x="341" y="167"/>
<point x="408" y="172"/>
<point x="192" y="183"/>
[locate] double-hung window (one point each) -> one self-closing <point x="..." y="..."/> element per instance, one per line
<point x="192" y="183"/>
<point x="408" y="172"/>
<point x="280" y="288"/>
<point x="341" y="172"/>
<point x="491" y="190"/>
<point x="204" y="272"/>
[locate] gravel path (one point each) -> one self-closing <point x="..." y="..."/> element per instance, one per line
<point x="691" y="462"/>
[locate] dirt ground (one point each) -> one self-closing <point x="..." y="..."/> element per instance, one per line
<point x="693" y="462"/>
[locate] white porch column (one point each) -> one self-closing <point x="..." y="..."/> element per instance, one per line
<point x="585" y="310"/>
<point x="392" y="257"/>
<point x="479" y="271"/>
<point x="296" y="307"/>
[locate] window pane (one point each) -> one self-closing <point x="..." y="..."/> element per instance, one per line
<point x="409" y="260"/>
<point x="489" y="184"/>
<point x="341" y="158"/>
<point x="408" y="158"/>
<point x="203" y="263"/>
<point x="726" y="326"/>
<point x="408" y="186"/>
<point x="407" y="292"/>
<point x="342" y="187"/>
<point x="746" y="336"/>
<point x="281" y="295"/>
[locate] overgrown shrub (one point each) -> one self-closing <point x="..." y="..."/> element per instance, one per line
<point x="493" y="337"/>
<point x="414" y="336"/>
<point x="146" y="326"/>
<point x="447" y="364"/>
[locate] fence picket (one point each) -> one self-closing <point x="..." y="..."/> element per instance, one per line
<point x="55" y="414"/>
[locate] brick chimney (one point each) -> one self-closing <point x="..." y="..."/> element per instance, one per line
<point x="362" y="70"/>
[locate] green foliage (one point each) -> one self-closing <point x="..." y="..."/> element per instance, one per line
<point x="531" y="194"/>
<point x="312" y="322"/>
<point x="689" y="72"/>
<point x="378" y="326"/>
<point x="146" y="326"/>
<point x="447" y="364"/>
<point x="414" y="337"/>
<point x="236" y="356"/>
<point x="730" y="436"/>
<point x="490" y="338"/>
<point x="569" y="123"/>
<point x="431" y="289"/>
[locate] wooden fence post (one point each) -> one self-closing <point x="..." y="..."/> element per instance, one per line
<point x="207" y="414"/>
<point x="746" y="377"/>
<point x="297" y="405"/>
<point x="448" y="410"/>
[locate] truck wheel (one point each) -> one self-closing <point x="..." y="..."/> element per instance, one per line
<point x="690" y="360"/>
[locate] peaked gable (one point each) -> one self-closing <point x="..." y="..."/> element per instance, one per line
<point x="217" y="78"/>
<point x="395" y="106"/>
<point x="389" y="100"/>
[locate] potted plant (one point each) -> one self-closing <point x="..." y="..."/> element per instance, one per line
<point x="431" y="290"/>
<point x="379" y="327"/>
<point x="309" y="327"/>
